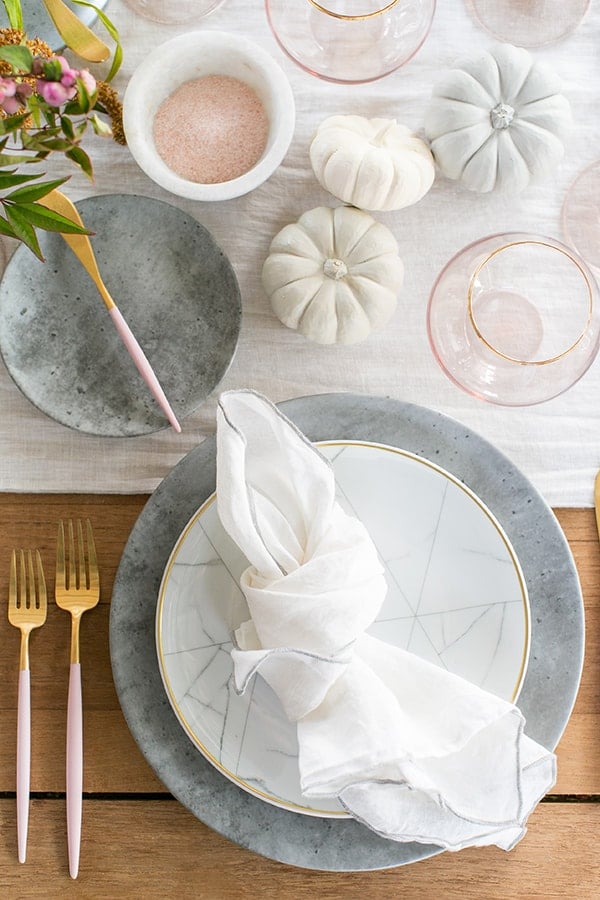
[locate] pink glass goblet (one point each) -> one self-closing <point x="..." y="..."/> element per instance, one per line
<point x="581" y="215"/>
<point x="350" y="41"/>
<point x="528" y="23"/>
<point x="514" y="319"/>
<point x="174" y="12"/>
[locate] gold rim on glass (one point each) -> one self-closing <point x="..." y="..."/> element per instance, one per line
<point x="516" y="359"/>
<point x="354" y="18"/>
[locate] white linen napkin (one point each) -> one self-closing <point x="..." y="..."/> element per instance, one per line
<point x="410" y="750"/>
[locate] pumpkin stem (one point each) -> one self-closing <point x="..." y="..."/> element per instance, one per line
<point x="335" y="268"/>
<point x="501" y="116"/>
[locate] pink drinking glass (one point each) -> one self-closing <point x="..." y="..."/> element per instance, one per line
<point x="174" y="12"/>
<point x="514" y="319"/>
<point x="528" y="23"/>
<point x="350" y="41"/>
<point x="581" y="215"/>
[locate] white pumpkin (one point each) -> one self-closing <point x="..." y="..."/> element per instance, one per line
<point x="371" y="163"/>
<point x="498" y="120"/>
<point x="334" y="275"/>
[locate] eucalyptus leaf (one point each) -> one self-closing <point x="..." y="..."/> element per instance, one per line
<point x="6" y="229"/>
<point x="34" y="192"/>
<point x="23" y="230"/>
<point x="41" y="217"/>
<point x="12" y="179"/>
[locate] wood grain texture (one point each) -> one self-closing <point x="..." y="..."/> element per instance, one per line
<point x="156" y="849"/>
<point x="163" y="851"/>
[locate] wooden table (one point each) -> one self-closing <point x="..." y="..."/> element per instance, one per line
<point x="140" y="842"/>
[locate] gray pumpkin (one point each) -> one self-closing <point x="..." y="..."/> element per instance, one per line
<point x="498" y="120"/>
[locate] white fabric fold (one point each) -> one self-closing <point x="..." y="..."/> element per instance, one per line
<point x="412" y="751"/>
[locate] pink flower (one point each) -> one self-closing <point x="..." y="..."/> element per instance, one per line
<point x="69" y="75"/>
<point x="8" y="101"/>
<point x="88" y="81"/>
<point x="54" y="92"/>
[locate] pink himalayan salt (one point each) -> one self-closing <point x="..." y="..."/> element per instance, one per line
<point x="211" y="129"/>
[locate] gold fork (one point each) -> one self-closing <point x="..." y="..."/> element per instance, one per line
<point x="77" y="589"/>
<point x="27" y="607"/>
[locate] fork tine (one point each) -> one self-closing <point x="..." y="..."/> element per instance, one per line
<point x="22" y="600"/>
<point x="30" y="580"/>
<point x="61" y="575"/>
<point x="12" y="584"/>
<point x="71" y="555"/>
<point x="82" y="581"/>
<point x="42" y="597"/>
<point x="92" y="560"/>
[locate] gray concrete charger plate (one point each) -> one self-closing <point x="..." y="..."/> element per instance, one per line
<point x="38" y="23"/>
<point x="172" y="283"/>
<point x="555" y="661"/>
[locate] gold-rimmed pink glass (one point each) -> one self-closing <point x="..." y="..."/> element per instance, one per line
<point x="350" y="41"/>
<point x="514" y="319"/>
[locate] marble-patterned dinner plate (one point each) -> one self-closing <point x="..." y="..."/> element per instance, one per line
<point x="173" y="284"/>
<point x="314" y="842"/>
<point x="38" y="23"/>
<point x="456" y="597"/>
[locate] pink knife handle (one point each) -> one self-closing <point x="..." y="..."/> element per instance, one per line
<point x="144" y="367"/>
<point x="23" y="761"/>
<point x="74" y="767"/>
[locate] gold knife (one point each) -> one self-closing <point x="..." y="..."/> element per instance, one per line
<point x="597" y="501"/>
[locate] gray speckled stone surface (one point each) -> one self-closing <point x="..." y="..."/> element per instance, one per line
<point x="555" y="661"/>
<point x="175" y="288"/>
<point x="38" y="23"/>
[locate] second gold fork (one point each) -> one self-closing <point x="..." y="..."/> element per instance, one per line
<point x="77" y="589"/>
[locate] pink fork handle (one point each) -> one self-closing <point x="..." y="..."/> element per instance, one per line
<point x="74" y="767"/>
<point x="144" y="367"/>
<point x="23" y="761"/>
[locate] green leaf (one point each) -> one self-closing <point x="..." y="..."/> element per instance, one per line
<point x="100" y="127"/>
<point x="14" y="13"/>
<point x="52" y="69"/>
<point x="8" y="179"/>
<point x="6" y="159"/>
<point x="23" y="230"/>
<point x="52" y="143"/>
<point x="80" y="157"/>
<point x="41" y="217"/>
<point x="34" y="191"/>
<point x="118" y="51"/>
<point x="18" y="55"/>
<point x="76" y="35"/>
<point x="67" y="127"/>
<point x="11" y="123"/>
<point x="6" y="229"/>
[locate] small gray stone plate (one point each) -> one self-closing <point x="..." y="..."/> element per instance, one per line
<point x="555" y="661"/>
<point x="38" y="23"/>
<point x="174" y="286"/>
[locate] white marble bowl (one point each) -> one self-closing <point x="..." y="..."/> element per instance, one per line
<point x="195" y="55"/>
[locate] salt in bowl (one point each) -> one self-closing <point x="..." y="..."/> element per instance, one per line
<point x="193" y="56"/>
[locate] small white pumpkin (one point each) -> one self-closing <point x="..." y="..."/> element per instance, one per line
<point x="371" y="163"/>
<point x="334" y="275"/>
<point x="498" y="120"/>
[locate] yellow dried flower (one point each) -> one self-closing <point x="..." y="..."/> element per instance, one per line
<point x="109" y="99"/>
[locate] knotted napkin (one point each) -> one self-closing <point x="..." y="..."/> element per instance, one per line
<point x="410" y="750"/>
